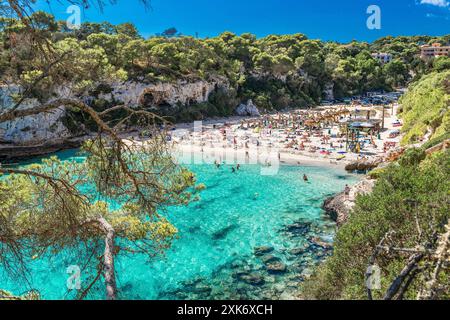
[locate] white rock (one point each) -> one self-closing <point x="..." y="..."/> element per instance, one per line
<point x="329" y="91"/>
<point x="185" y="93"/>
<point x="248" y="109"/>
<point x="44" y="127"/>
<point x="37" y="128"/>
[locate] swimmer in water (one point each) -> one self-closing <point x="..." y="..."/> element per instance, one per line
<point x="233" y="170"/>
<point x="238" y="166"/>
<point x="256" y="196"/>
<point x="305" y="178"/>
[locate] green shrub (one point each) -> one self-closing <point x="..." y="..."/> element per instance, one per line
<point x="403" y="198"/>
<point x="425" y="106"/>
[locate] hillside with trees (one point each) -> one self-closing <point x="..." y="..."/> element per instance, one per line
<point x="403" y="228"/>
<point x="403" y="225"/>
<point x="425" y="107"/>
<point x="277" y="71"/>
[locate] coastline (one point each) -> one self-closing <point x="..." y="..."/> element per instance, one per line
<point x="232" y="156"/>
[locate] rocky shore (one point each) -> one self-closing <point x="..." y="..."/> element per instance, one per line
<point x="267" y="273"/>
<point x="339" y="206"/>
<point x="12" y="153"/>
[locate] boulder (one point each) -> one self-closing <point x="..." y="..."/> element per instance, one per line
<point x="260" y="251"/>
<point x="248" y="109"/>
<point x="276" y="267"/>
<point x="269" y="258"/>
<point x="363" y="165"/>
<point x="336" y="208"/>
<point x="252" y="278"/>
<point x="297" y="251"/>
<point x="298" y="228"/>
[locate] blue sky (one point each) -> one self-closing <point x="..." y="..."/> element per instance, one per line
<point x="339" y="20"/>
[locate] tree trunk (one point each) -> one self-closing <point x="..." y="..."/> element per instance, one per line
<point x="396" y="284"/>
<point x="108" y="260"/>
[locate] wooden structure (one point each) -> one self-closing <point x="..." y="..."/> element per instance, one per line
<point x="356" y="129"/>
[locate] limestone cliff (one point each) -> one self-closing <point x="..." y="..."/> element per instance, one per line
<point x="32" y="129"/>
<point x="162" y="94"/>
<point x="40" y="128"/>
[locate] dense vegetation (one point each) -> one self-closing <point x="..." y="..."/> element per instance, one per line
<point x="409" y="207"/>
<point x="277" y="71"/>
<point x="409" y="203"/>
<point x="425" y="107"/>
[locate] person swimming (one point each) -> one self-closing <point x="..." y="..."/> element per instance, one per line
<point x="233" y="170"/>
<point x="238" y="167"/>
<point x="305" y="178"/>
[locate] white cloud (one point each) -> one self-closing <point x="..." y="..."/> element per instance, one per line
<point x="438" y="3"/>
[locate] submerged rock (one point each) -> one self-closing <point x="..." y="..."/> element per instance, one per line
<point x="201" y="288"/>
<point x="223" y="233"/>
<point x="269" y="258"/>
<point x="252" y="278"/>
<point x="319" y="242"/>
<point x="259" y="251"/>
<point x="298" y="228"/>
<point x="276" y="267"/>
<point x="297" y="251"/>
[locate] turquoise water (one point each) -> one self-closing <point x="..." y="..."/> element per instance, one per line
<point x="217" y="236"/>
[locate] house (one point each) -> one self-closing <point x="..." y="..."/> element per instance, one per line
<point x="433" y="51"/>
<point x="383" y="58"/>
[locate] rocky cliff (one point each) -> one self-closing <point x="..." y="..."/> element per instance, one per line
<point x="37" y="129"/>
<point x="339" y="206"/>
<point x="161" y="94"/>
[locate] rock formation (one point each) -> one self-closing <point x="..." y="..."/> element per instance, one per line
<point x="248" y="109"/>
<point x="328" y="92"/>
<point x="32" y="129"/>
<point x="161" y="94"/>
<point x="339" y="206"/>
<point x="40" y="128"/>
<point x="363" y="165"/>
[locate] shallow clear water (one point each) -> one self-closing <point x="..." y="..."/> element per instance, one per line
<point x="237" y="212"/>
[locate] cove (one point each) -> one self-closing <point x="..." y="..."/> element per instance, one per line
<point x="249" y="237"/>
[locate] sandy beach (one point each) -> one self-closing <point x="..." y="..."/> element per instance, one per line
<point x="252" y="140"/>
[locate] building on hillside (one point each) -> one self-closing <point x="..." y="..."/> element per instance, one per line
<point x="433" y="51"/>
<point x="382" y="57"/>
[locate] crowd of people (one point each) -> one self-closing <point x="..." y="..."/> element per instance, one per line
<point x="319" y="133"/>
